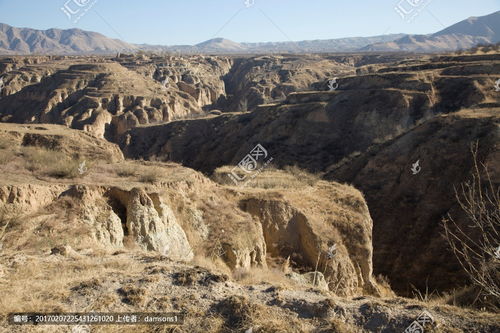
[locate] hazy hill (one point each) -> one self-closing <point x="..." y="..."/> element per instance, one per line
<point x="221" y="45"/>
<point x="462" y="35"/>
<point x="465" y="34"/>
<point x="55" y="41"/>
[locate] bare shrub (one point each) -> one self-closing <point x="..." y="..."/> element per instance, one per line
<point x="480" y="201"/>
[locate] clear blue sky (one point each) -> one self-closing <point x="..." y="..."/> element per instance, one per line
<point x="192" y="21"/>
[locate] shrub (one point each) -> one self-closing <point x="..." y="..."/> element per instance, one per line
<point x="479" y="198"/>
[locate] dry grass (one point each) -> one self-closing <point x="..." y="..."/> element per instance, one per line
<point x="127" y="170"/>
<point x="5" y="142"/>
<point x="7" y="150"/>
<point x="241" y="314"/>
<point x="52" y="163"/>
<point x="150" y="175"/>
<point x="384" y="286"/>
<point x="217" y="265"/>
<point x="6" y="156"/>
<point x="256" y="275"/>
<point x="10" y="218"/>
<point x="291" y="177"/>
<point x="40" y="283"/>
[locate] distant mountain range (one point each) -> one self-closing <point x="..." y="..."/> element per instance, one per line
<point x="463" y="35"/>
<point x="221" y="45"/>
<point x="56" y="41"/>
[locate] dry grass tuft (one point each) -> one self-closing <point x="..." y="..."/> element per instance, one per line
<point x="5" y="142"/>
<point x="242" y="314"/>
<point x="133" y="295"/>
<point x="126" y="171"/>
<point x="291" y="177"/>
<point x="384" y="286"/>
<point x="6" y="156"/>
<point x="256" y="275"/>
<point x="52" y="163"/>
<point x="10" y="218"/>
<point x="150" y="175"/>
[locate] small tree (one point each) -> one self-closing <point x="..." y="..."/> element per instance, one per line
<point x="478" y="255"/>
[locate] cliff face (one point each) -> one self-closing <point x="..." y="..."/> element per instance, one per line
<point x="340" y="134"/>
<point x="408" y="208"/>
<point x="177" y="212"/>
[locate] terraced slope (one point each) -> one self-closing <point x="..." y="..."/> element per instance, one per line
<point x="102" y="98"/>
<point x="323" y="130"/>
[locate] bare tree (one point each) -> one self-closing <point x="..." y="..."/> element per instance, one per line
<point x="477" y="246"/>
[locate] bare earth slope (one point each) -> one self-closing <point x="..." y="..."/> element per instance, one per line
<point x="158" y="237"/>
<point x="174" y="210"/>
<point x="320" y="130"/>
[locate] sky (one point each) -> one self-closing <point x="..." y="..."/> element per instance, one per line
<point x="173" y="22"/>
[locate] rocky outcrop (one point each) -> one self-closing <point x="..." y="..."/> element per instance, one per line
<point x="29" y="197"/>
<point x="76" y="144"/>
<point x="326" y="227"/>
<point x="152" y="224"/>
<point x="179" y="213"/>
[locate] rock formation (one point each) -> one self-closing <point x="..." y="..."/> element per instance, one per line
<point x="326" y="132"/>
<point x="182" y="213"/>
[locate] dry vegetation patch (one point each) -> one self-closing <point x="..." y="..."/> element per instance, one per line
<point x="291" y="177"/>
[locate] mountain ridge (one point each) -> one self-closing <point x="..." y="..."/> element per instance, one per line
<point x="462" y="35"/>
<point x="57" y="41"/>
